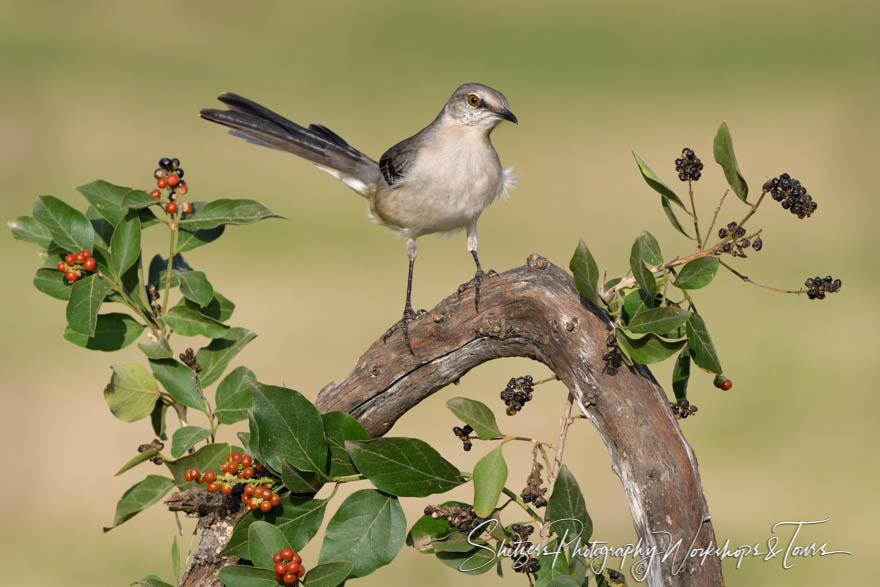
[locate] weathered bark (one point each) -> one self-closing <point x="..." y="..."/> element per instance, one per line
<point x="534" y="311"/>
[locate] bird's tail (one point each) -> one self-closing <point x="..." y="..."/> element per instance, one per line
<point x="317" y="143"/>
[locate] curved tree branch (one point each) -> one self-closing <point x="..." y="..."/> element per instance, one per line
<point x="534" y="311"/>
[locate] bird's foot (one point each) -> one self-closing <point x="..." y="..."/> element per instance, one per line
<point x="408" y="316"/>
<point x="479" y="276"/>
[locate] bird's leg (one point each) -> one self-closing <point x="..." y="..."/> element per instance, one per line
<point x="408" y="312"/>
<point x="480" y="274"/>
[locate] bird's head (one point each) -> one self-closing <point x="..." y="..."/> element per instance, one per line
<point x="478" y="105"/>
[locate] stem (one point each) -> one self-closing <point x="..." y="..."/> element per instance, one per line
<point x="755" y="283"/>
<point x="210" y="412"/>
<point x="172" y="226"/>
<point x="563" y="434"/>
<point x="630" y="281"/>
<point x="131" y="304"/>
<point x="694" y="210"/>
<point x="754" y="209"/>
<point x="518" y="501"/>
<point x="347" y="478"/>
<point x="714" y="218"/>
<point x="545" y="380"/>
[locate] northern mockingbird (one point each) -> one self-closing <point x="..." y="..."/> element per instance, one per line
<point x="439" y="180"/>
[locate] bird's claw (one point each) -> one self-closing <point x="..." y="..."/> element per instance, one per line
<point x="479" y="276"/>
<point x="408" y="315"/>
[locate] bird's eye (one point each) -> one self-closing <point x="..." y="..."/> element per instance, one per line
<point x="474" y="100"/>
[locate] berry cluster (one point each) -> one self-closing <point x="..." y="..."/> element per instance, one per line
<point x="257" y="493"/>
<point x="461" y="517"/>
<point x="517" y="393"/>
<point x="612" y="358"/>
<point x="525" y="563"/>
<point x="255" y="497"/>
<point x="74" y="264"/>
<point x="738" y="241"/>
<point x="682" y="409"/>
<point x="722" y="382"/>
<point x="817" y="286"/>
<point x="169" y="175"/>
<point x="615" y="576"/>
<point x="288" y="566"/>
<point x="155" y="444"/>
<point x="533" y="492"/>
<point x="153" y="295"/>
<point x="688" y="166"/>
<point x="464" y="434"/>
<point x="792" y="195"/>
<point x="188" y="358"/>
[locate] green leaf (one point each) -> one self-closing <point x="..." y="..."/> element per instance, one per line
<point x="188" y="240"/>
<point x="490" y="475"/>
<point x="136" y="199"/>
<point x="235" y="396"/>
<point x="52" y="283"/>
<point x="264" y="540"/>
<point x="86" y="297"/>
<point x="207" y="458"/>
<point x="406" y="467"/>
<point x="140" y="496"/>
<point x="215" y="357"/>
<point x="368" y="530"/>
<point x="645" y="250"/>
<point x="185" y="438"/>
<point x="586" y="273"/>
<point x="134" y="284"/>
<point x="553" y="567"/>
<point x="700" y="345"/>
<point x="653" y="180"/>
<point x="225" y="211"/>
<point x="562" y="581"/>
<point x="290" y="429"/>
<point x="697" y="273"/>
<point x="175" y="557"/>
<point x="300" y="482"/>
<point x="188" y="322"/>
<point x="339" y="427"/>
<point x="157" y="420"/>
<point x="70" y="229"/>
<point x="194" y="285"/>
<point x="25" y="228"/>
<point x="159" y="349"/>
<point x="178" y="380"/>
<point x="106" y="199"/>
<point x="473" y="562"/>
<point x="673" y="219"/>
<point x="298" y="519"/>
<point x="477" y="415"/>
<point x="427" y="529"/>
<point x="125" y="246"/>
<point x="681" y="373"/>
<point x="328" y="574"/>
<point x="219" y="308"/>
<point x="722" y="147"/>
<point x="112" y="332"/>
<point x="242" y="576"/>
<point x="649" y="348"/>
<point x="636" y="302"/>
<point x="137" y="460"/>
<point x="568" y="510"/>
<point x="658" y="320"/>
<point x="103" y="229"/>
<point x="152" y="581"/>
<point x="131" y="393"/>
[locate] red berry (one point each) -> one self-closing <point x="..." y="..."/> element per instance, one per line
<point x="280" y="568"/>
<point x="300" y="571"/>
<point x="265" y="506"/>
<point x="213" y="487"/>
<point x="266" y="493"/>
<point x="79" y="258"/>
<point x="275" y="499"/>
<point x="289" y="578"/>
<point x="210" y="476"/>
<point x="181" y="188"/>
<point x="161" y="183"/>
<point x="727" y="385"/>
<point x="90" y="264"/>
<point x="247" y="508"/>
<point x="248" y="489"/>
<point x="235" y="457"/>
<point x="69" y="259"/>
<point x="226" y="489"/>
<point x="722" y="382"/>
<point x="276" y="558"/>
<point x="172" y="180"/>
<point x="248" y="472"/>
<point x="62" y="266"/>
<point x="247" y="460"/>
<point x="171" y="207"/>
<point x="195" y="473"/>
<point x="244" y="498"/>
<point x="286" y="554"/>
<point x="156" y="194"/>
<point x="71" y="276"/>
<point x="295" y="559"/>
<point x="259" y="467"/>
<point x="86" y="254"/>
<point x="187" y="208"/>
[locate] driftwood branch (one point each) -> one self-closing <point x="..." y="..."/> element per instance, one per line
<point x="534" y="311"/>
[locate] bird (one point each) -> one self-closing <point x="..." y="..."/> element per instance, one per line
<point x="437" y="181"/>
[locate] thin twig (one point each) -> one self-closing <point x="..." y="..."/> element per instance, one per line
<point x="563" y="435"/>
<point x="754" y="209"/>
<point x="714" y="218"/>
<point x="694" y="210"/>
<point x="753" y="282"/>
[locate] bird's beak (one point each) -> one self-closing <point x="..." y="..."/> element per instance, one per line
<point x="507" y="115"/>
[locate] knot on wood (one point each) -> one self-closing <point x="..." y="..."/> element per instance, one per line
<point x="495" y="327"/>
<point x="536" y="261"/>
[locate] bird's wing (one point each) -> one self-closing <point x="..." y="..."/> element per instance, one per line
<point x="317" y="143"/>
<point x="397" y="161"/>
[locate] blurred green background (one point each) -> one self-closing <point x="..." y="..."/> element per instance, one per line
<point x="103" y="89"/>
